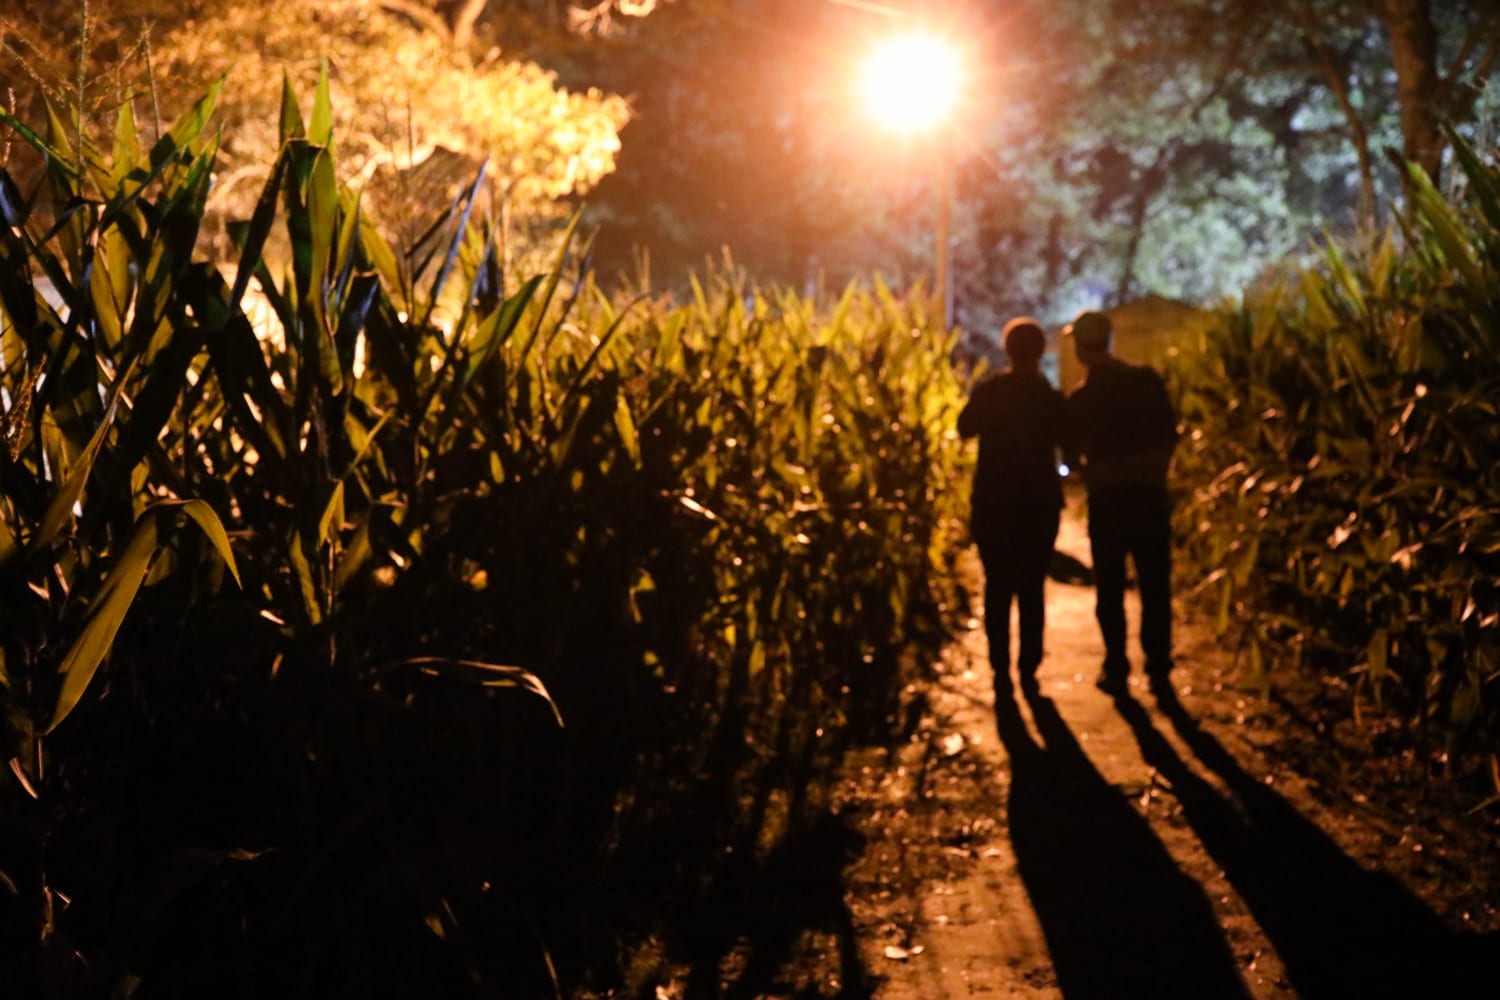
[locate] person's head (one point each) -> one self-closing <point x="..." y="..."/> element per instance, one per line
<point x="1090" y="334"/>
<point x="1025" y="343"/>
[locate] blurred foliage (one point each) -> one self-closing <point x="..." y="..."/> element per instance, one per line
<point x="311" y="744"/>
<point x="747" y="132"/>
<point x="415" y="106"/>
<point x="1342" y="463"/>
<point x="1185" y="149"/>
<point x="1105" y="150"/>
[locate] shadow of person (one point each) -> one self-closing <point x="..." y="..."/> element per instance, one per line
<point x="743" y="942"/>
<point x="1340" y="930"/>
<point x="1120" y="919"/>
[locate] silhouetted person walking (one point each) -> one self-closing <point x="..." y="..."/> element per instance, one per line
<point x="1121" y="427"/>
<point x="1017" y="415"/>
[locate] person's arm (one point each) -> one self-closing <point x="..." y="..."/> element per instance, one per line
<point x="1164" y="420"/>
<point x="971" y="417"/>
<point x="1070" y="430"/>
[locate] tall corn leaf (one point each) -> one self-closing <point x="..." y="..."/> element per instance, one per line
<point x="108" y="613"/>
<point x="67" y="497"/>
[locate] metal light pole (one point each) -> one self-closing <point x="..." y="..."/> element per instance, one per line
<point x="911" y="83"/>
<point x="945" y="200"/>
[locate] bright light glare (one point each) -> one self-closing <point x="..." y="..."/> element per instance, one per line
<point x="912" y="81"/>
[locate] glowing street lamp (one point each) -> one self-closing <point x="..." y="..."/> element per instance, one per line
<point x="911" y="83"/>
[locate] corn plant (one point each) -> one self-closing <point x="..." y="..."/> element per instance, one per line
<point x="134" y="387"/>
<point x="703" y="533"/>
<point x="1343" y="455"/>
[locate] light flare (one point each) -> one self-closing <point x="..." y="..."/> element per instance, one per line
<point x="912" y="81"/>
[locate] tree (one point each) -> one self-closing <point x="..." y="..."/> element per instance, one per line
<point x="1185" y="148"/>
<point x="417" y="110"/>
<point x="746" y="135"/>
<point x="1427" y="96"/>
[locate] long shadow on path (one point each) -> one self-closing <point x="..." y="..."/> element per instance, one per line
<point x="1121" y="920"/>
<point x="1340" y="930"/>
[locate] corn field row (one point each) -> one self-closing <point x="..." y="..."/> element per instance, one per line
<point x="371" y="618"/>
<point x="1343" y="465"/>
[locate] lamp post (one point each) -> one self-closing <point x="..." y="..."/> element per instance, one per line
<point x="911" y="83"/>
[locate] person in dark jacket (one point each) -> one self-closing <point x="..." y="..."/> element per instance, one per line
<point x="1121" y="427"/>
<point x="1017" y="416"/>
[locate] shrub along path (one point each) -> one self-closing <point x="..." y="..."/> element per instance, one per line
<point x="1204" y="844"/>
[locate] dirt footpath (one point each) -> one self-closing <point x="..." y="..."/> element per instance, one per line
<point x="1064" y="843"/>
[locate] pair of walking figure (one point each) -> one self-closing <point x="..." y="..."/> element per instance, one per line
<point x="1119" y="430"/>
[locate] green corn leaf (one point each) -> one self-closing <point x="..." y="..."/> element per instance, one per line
<point x="347" y="256"/>
<point x="56" y="158"/>
<point x="483" y="674"/>
<point x="62" y="133"/>
<point x="1445" y="228"/>
<point x="156" y="401"/>
<point x="353" y="558"/>
<point x="668" y="354"/>
<point x="236" y="357"/>
<point x="1383" y="266"/>
<point x="115" y="597"/>
<point x="306" y="585"/>
<point x="109" y="286"/>
<point x="462" y="206"/>
<point x="592" y="359"/>
<point x="553" y="277"/>
<point x="290" y="126"/>
<point x="61" y="508"/>
<point x="252" y="238"/>
<point x="302" y="158"/>
<point x="203" y="515"/>
<point x="493" y="333"/>
<point x="425" y="259"/>
<point x="381" y="257"/>
<point x="323" y="218"/>
<point x="363" y="442"/>
<point x="127" y="147"/>
<point x="127" y="196"/>
<point x="354" y="313"/>
<point x="1339" y="268"/>
<point x="187" y="129"/>
<point x="333" y="515"/>
<point x="625" y="427"/>
<point x="320" y="126"/>
<point x="118" y="592"/>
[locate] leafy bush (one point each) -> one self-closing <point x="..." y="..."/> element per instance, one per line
<point x="1343" y="461"/>
<point x="276" y="755"/>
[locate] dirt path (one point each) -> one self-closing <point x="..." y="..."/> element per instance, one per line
<point x="1071" y="844"/>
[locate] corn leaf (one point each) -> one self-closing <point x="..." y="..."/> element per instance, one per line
<point x="320" y="125"/>
<point x="203" y="514"/>
<point x="484" y="674"/>
<point x="61" y="508"/>
<point x="290" y="126"/>
<point x="493" y="333"/>
<point x="114" y="599"/>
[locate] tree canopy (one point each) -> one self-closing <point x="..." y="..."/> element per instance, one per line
<point x="1107" y="149"/>
<point x="419" y="105"/>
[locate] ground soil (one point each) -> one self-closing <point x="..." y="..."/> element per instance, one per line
<point x="1205" y="841"/>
